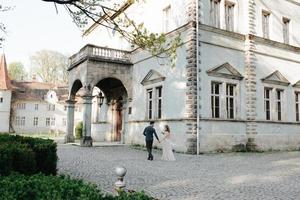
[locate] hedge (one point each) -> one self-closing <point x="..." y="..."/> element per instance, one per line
<point x="27" y="155"/>
<point x="36" y="187"/>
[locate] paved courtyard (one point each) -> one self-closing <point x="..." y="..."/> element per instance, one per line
<point x="259" y="176"/>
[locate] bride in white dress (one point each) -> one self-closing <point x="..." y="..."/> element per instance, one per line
<point x="166" y="145"/>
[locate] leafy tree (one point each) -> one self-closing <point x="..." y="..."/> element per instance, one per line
<point x="16" y="71"/>
<point x="50" y="66"/>
<point x="116" y="19"/>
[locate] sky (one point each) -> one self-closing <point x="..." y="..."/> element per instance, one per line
<point x="34" y="25"/>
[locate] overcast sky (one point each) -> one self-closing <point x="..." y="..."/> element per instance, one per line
<point x="34" y="25"/>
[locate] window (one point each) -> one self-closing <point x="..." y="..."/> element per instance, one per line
<point x="297" y="105"/>
<point x="229" y="16"/>
<point x="1" y="99"/>
<point x="149" y="103"/>
<point x="22" y="121"/>
<point x="278" y="104"/>
<point x="129" y="110"/>
<point x="154" y="103"/>
<point x="285" y="24"/>
<point x="53" y="121"/>
<point x="21" y="106"/>
<point x="166" y="18"/>
<point x="215" y="100"/>
<point x="65" y="108"/>
<point x="230" y="98"/>
<point x="51" y="107"/>
<point x="35" y="121"/>
<point x="36" y="106"/>
<point x="158" y="101"/>
<point x="267" y="99"/>
<point x="18" y="121"/>
<point x="64" y="122"/>
<point x="215" y="13"/>
<point x="47" y="121"/>
<point x="265" y="24"/>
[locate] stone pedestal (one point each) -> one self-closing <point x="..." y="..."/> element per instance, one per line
<point x="86" y="141"/>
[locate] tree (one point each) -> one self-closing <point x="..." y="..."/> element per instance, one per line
<point x="116" y="19"/>
<point x="50" y="66"/>
<point x="16" y="71"/>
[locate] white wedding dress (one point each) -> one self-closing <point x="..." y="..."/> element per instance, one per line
<point x="167" y="148"/>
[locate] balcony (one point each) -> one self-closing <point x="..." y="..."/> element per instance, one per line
<point x="102" y="54"/>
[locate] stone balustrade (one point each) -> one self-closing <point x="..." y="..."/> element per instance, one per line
<point x="100" y="53"/>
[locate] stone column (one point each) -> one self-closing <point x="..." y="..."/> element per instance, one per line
<point x="69" y="137"/>
<point x="124" y="112"/>
<point x="87" y="140"/>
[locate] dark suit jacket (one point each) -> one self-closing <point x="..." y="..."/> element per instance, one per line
<point x="148" y="132"/>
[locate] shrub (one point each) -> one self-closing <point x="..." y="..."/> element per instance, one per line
<point x="36" y="187"/>
<point x="39" y="186"/>
<point x="44" y="154"/>
<point x="16" y="157"/>
<point x="78" y="130"/>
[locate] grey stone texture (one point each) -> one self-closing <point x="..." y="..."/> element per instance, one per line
<point x="235" y="176"/>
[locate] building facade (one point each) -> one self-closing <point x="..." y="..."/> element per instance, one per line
<point x="33" y="107"/>
<point x="235" y="84"/>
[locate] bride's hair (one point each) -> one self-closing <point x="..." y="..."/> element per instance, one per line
<point x="167" y="128"/>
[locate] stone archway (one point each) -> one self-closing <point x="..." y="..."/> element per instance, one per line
<point x="116" y="97"/>
<point x="75" y="87"/>
<point x="114" y="70"/>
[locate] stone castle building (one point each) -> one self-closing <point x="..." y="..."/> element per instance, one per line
<point x="235" y="83"/>
<point x="33" y="107"/>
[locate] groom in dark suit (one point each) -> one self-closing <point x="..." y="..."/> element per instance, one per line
<point x="148" y="133"/>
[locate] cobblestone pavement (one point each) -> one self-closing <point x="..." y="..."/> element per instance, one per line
<point x="236" y="176"/>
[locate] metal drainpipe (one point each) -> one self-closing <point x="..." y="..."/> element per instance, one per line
<point x="197" y="68"/>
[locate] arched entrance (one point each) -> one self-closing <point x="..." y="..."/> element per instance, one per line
<point x="76" y="86"/>
<point x="115" y="105"/>
<point x="110" y="70"/>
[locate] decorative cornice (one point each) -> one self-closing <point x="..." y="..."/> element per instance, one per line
<point x="225" y="71"/>
<point x="148" y="80"/>
<point x="297" y="84"/>
<point x="222" y="32"/>
<point x="276" y="78"/>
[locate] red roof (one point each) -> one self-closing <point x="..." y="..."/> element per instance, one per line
<point x="4" y="79"/>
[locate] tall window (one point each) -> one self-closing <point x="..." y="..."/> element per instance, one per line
<point x="36" y="106"/>
<point x="21" y="106"/>
<point x="278" y="104"/>
<point x="285" y="26"/>
<point x="51" y="107"/>
<point x="229" y="16"/>
<point x="48" y="121"/>
<point x="1" y="99"/>
<point x="154" y="103"/>
<point x="215" y="13"/>
<point x="150" y="103"/>
<point x="267" y="99"/>
<point x="64" y="121"/>
<point x="230" y="98"/>
<point x="158" y="101"/>
<point x="265" y="24"/>
<point x="35" y="121"/>
<point x="53" y="121"/>
<point x="215" y="100"/>
<point x="18" y="121"/>
<point x="22" y="121"/>
<point x="297" y="105"/>
<point x="166" y="18"/>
